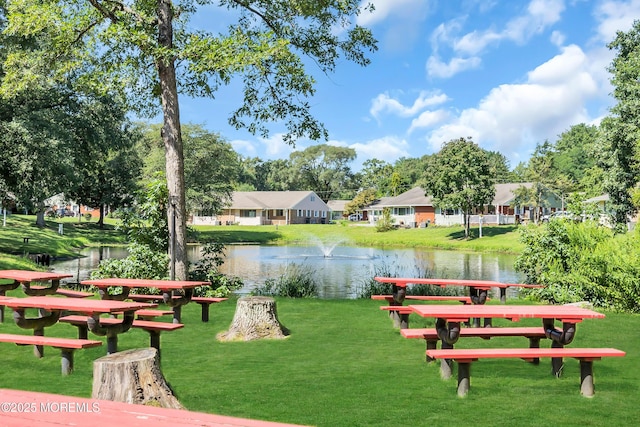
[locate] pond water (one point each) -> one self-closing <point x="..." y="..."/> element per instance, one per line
<point x="340" y="271"/>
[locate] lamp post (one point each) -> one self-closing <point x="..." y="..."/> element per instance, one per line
<point x="172" y="237"/>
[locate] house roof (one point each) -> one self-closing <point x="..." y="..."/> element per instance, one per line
<point x="505" y="192"/>
<point x="270" y="199"/>
<point x="413" y="197"/>
<point x="337" y="205"/>
<point x="601" y="198"/>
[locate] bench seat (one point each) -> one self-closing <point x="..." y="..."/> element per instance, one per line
<point x="430" y="335"/>
<point x="586" y="356"/>
<point x="66" y="345"/>
<point x="153" y="328"/>
<point x="150" y="314"/>
<point x="73" y="294"/>
<point x="205" y="302"/>
<point x="461" y="298"/>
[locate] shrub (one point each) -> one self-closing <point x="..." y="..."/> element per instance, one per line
<point x="206" y="269"/>
<point x="295" y="282"/>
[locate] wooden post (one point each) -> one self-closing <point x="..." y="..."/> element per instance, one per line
<point x="132" y="376"/>
<point x="255" y="318"/>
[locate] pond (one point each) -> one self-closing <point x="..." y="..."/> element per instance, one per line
<point x="340" y="271"/>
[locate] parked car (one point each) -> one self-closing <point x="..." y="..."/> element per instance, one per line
<point x="355" y="217"/>
<point x="560" y="215"/>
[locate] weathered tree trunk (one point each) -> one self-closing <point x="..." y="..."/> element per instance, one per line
<point x="172" y="138"/>
<point x="132" y="376"/>
<point x="255" y="318"/>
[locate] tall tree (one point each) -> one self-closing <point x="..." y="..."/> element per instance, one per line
<point x="148" y="49"/>
<point x="376" y="174"/>
<point x="620" y="139"/>
<point x="211" y="166"/>
<point x="459" y="177"/>
<point x="324" y="169"/>
<point x="106" y="166"/>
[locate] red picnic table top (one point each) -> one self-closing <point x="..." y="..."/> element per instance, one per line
<point x="163" y="285"/>
<point x="31" y="276"/>
<point x="82" y="305"/>
<point x="461" y="313"/>
<point x="33" y="409"/>
<point x="480" y="284"/>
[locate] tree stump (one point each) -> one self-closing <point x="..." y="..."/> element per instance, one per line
<point x="255" y="318"/>
<point x="132" y="376"/>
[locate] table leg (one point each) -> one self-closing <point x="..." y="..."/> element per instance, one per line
<point x="38" y="350"/>
<point x="3" y="292"/>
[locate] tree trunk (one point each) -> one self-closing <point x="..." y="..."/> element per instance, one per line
<point x="172" y="138"/>
<point x="132" y="376"/>
<point x="255" y="318"/>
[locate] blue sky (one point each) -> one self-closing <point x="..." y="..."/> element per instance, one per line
<point x="508" y="73"/>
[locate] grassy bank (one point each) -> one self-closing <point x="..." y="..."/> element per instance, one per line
<point x="494" y="239"/>
<point x="76" y="235"/>
<point x="345" y="365"/>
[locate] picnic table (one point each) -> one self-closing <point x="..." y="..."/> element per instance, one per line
<point x="175" y="293"/>
<point x="91" y="308"/>
<point x="449" y="317"/>
<point x="25" y="278"/>
<point x="478" y="289"/>
<point x="28" y="409"/>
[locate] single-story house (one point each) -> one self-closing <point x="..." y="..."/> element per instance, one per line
<point x="410" y="208"/>
<point x="337" y="208"/>
<point x="270" y="208"/>
<point x="413" y="208"/>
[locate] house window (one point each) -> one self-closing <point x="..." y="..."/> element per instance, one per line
<point x="309" y="212"/>
<point x="299" y="214"/>
<point x="315" y="214"/>
<point x="279" y="212"/>
<point x="324" y="214"/>
<point x="313" y="198"/>
<point x="248" y="213"/>
<point x="401" y="211"/>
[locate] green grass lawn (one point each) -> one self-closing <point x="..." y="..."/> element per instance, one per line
<point x="345" y="365"/>
<point x="494" y="239"/>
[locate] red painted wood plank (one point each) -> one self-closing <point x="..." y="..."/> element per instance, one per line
<point x="477" y="332"/>
<point x="481" y="284"/>
<point x="49" y="341"/>
<point x="75" y="304"/>
<point x="514" y="312"/>
<point x="524" y="353"/>
<point x="163" y="285"/>
<point x="31" y="276"/>
<point x="51" y="410"/>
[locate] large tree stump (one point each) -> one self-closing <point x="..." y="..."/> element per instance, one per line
<point x="132" y="376"/>
<point x="255" y="318"/>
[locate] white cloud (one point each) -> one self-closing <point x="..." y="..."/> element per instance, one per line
<point x="390" y="8"/>
<point x="539" y="16"/>
<point x="275" y="147"/>
<point x="385" y="103"/>
<point x="512" y="118"/>
<point x="437" y="68"/>
<point x="615" y="16"/>
<point x="557" y="38"/>
<point x="428" y="119"/>
<point x="388" y="148"/>
<point x="244" y="147"/>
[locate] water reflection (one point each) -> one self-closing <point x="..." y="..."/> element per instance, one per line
<point x="339" y="274"/>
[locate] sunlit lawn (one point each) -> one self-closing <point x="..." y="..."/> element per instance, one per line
<point x="345" y="365"/>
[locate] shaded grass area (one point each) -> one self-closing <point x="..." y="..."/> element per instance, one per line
<point x="47" y="239"/>
<point x="345" y="365"/>
<point x="495" y="238"/>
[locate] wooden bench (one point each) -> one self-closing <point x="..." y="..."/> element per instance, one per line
<point x="399" y="314"/>
<point x="460" y="298"/>
<point x="205" y="302"/>
<point x="66" y="345"/>
<point x="153" y="328"/>
<point x="430" y="335"/>
<point x="586" y="356"/>
<point x="145" y="298"/>
<point x="73" y="294"/>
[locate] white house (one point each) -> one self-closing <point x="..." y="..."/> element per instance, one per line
<point x="271" y="208"/>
